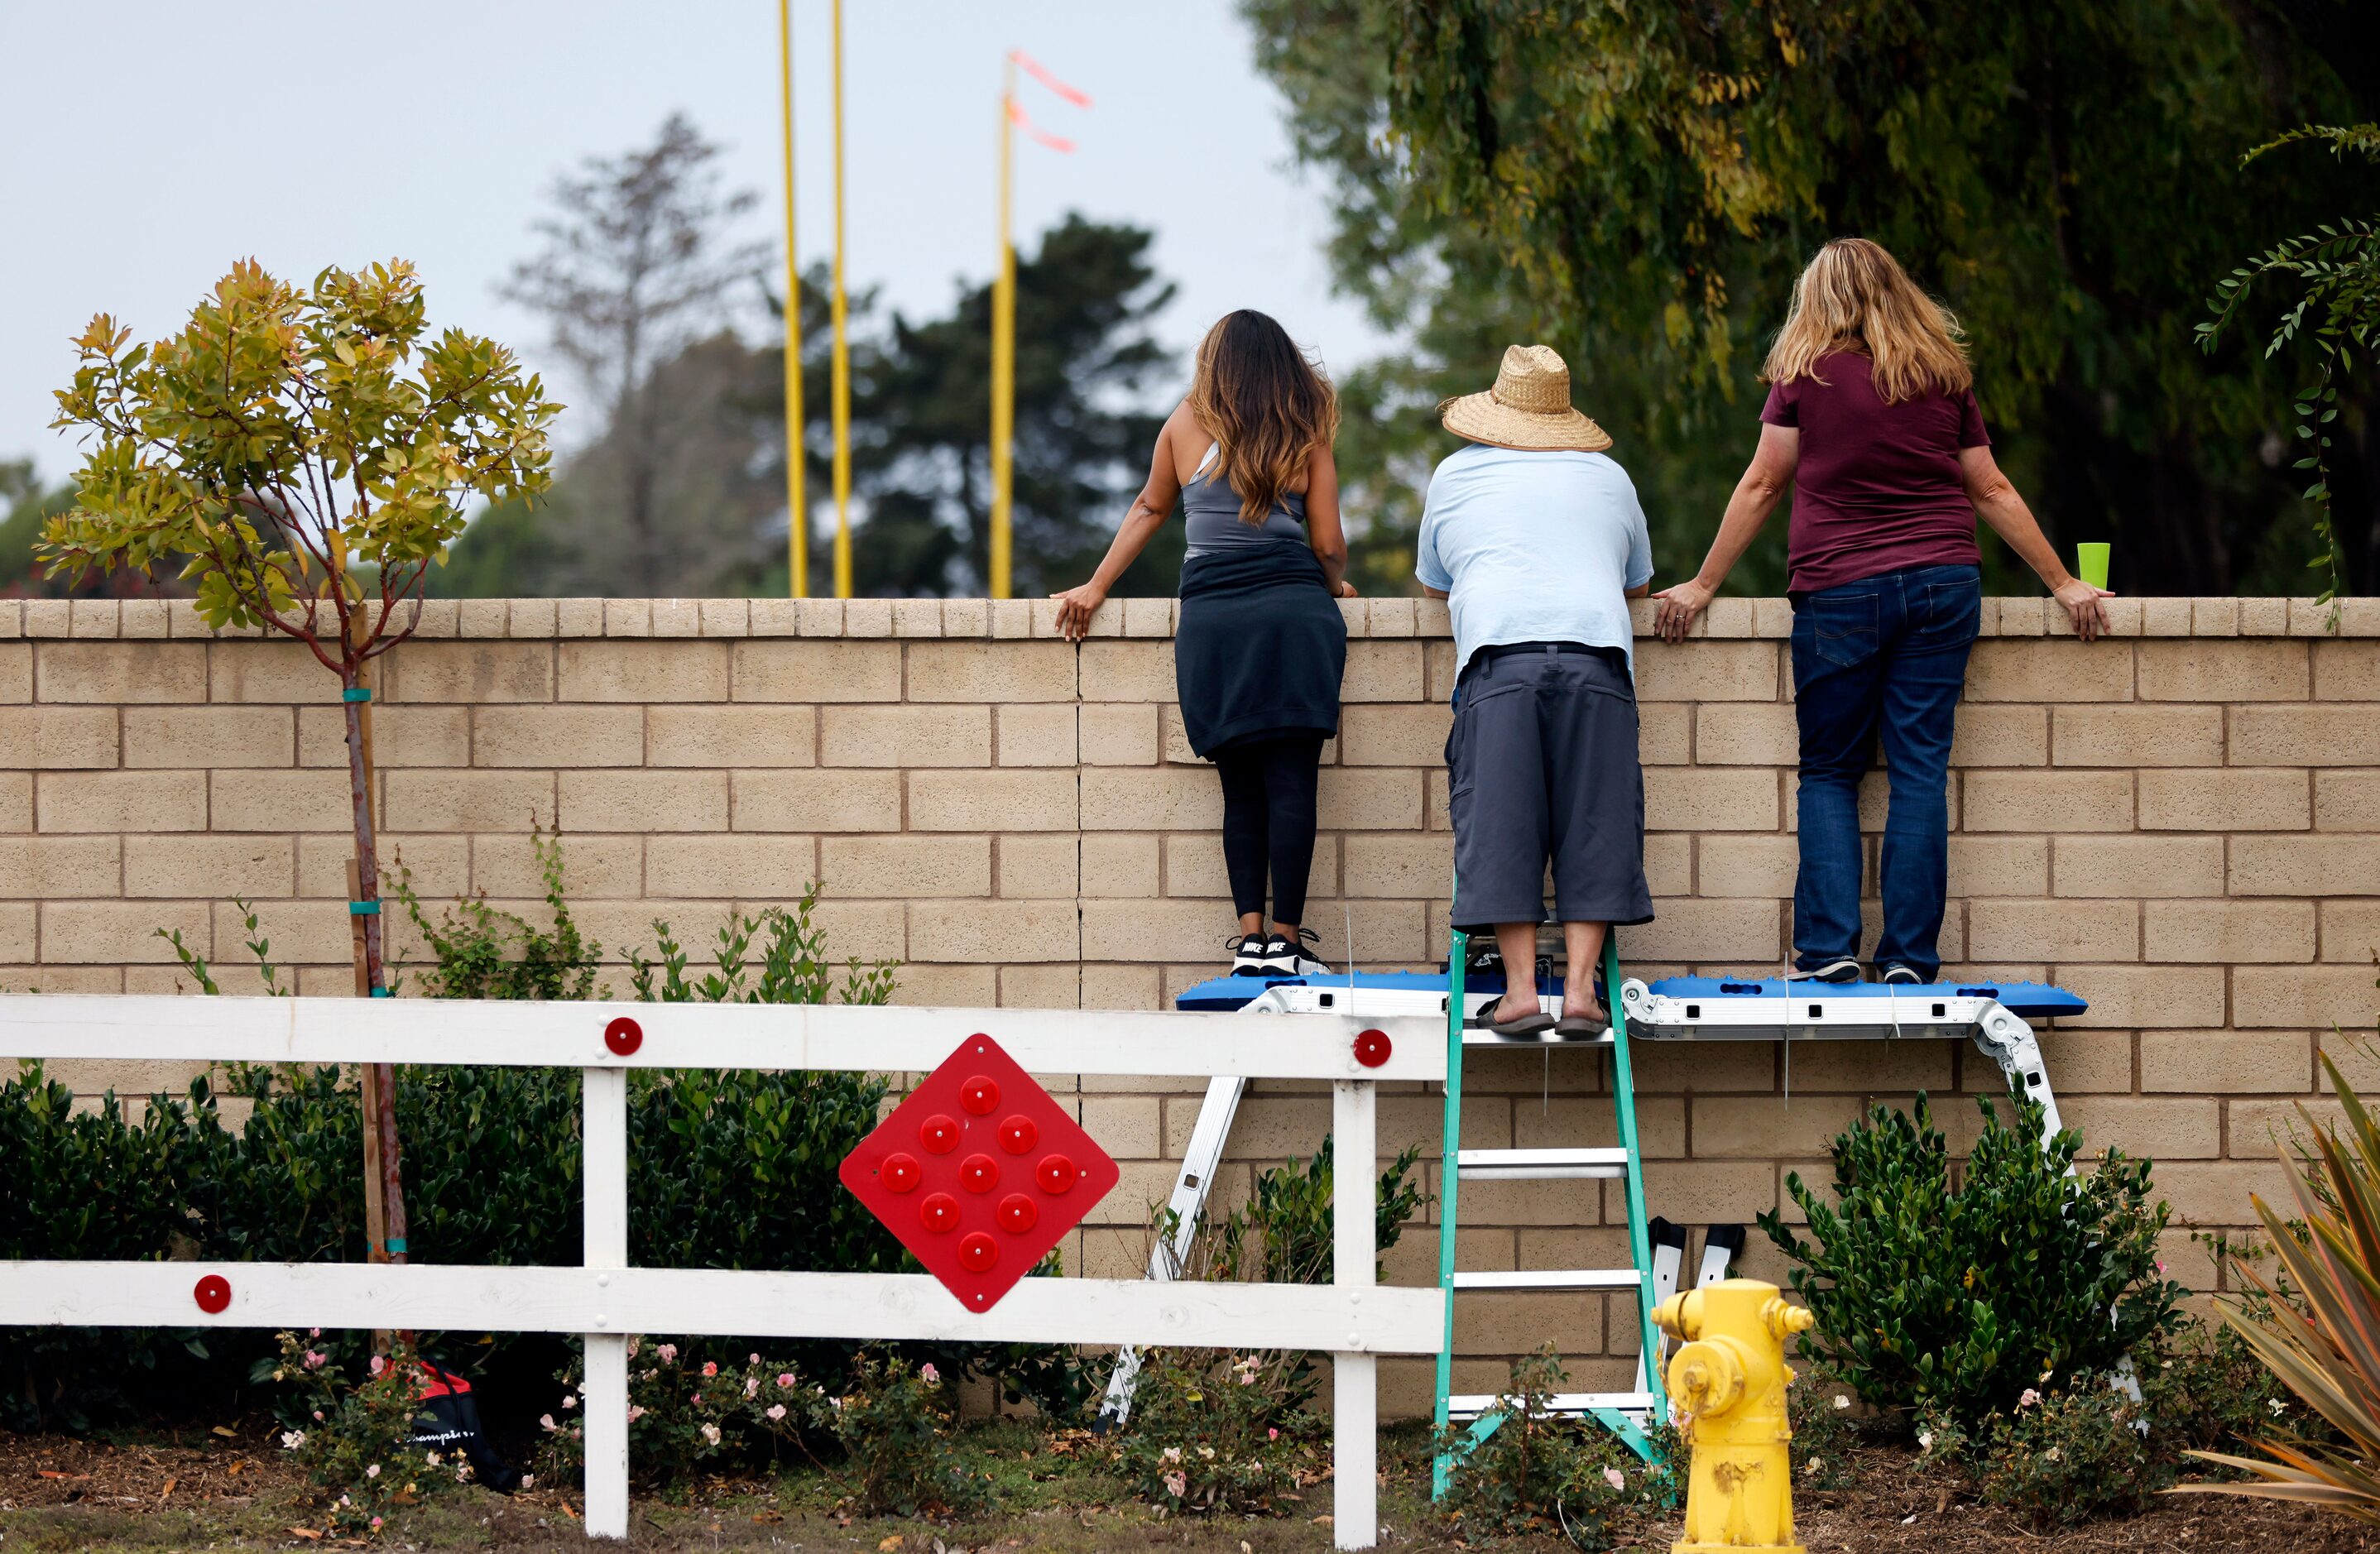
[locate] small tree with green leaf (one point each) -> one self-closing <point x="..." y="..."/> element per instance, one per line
<point x="2335" y="270"/>
<point x="305" y="455"/>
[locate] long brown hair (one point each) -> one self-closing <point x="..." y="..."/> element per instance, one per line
<point x="1267" y="408"/>
<point x="1856" y="296"/>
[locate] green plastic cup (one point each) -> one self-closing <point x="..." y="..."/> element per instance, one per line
<point x="2091" y="562"/>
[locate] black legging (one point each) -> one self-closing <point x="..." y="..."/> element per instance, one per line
<point x="1268" y="818"/>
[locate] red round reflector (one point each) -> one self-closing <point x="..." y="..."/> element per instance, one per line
<point x="901" y="1173"/>
<point x="938" y="1213"/>
<point x="1056" y="1173"/>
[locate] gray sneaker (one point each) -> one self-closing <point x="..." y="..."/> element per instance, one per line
<point x="1889" y="974"/>
<point x="1841" y="970"/>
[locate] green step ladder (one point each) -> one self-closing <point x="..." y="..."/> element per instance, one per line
<point x="1626" y="1415"/>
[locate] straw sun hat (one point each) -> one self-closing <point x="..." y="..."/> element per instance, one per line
<point x="1529" y="408"/>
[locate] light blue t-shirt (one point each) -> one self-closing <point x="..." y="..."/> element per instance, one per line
<point x="1534" y="547"/>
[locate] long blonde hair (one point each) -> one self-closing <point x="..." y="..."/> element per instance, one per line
<point x="1267" y="408"/>
<point x="1855" y="296"/>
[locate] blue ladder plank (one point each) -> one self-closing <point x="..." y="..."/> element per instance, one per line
<point x="2026" y="1001"/>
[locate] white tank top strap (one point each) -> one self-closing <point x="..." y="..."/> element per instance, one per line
<point x="1208" y="461"/>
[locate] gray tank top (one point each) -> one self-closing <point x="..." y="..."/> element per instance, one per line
<point x="1210" y="511"/>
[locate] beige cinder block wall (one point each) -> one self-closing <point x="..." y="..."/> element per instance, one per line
<point x="2182" y="824"/>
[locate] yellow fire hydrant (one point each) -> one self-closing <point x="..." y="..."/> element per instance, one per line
<point x="1729" y="1377"/>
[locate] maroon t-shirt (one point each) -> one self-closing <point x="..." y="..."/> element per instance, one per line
<point x="1877" y="488"/>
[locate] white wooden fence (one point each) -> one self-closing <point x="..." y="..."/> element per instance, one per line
<point x="606" y="1300"/>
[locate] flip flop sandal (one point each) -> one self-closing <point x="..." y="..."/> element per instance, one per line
<point x="1576" y="1026"/>
<point x="1535" y="1023"/>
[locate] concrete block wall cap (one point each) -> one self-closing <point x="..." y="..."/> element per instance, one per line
<point x="100" y="618"/>
<point x="916" y="617"/>
<point x="12" y="618"/>
<point x="726" y="617"/>
<point x="775" y="617"/>
<point x="481" y="617"/>
<point x="676" y="617"/>
<point x="49" y="617"/>
<point x="2214" y="617"/>
<point x="627" y="617"/>
<point x="532" y="619"/>
<point x="2264" y="617"/>
<point x="144" y="619"/>
<point x="821" y="617"/>
<point x="578" y="617"/>
<point x="966" y="617"/>
<point x="867" y="617"/>
<point x="440" y="617"/>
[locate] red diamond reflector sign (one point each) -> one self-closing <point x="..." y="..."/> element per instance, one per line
<point x="979" y="1173"/>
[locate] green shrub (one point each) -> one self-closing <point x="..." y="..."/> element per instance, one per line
<point x="484" y="952"/>
<point x="685" y="1410"/>
<point x="1210" y="1435"/>
<point x="893" y="1424"/>
<point x="1962" y="1298"/>
<point x="1541" y="1472"/>
<point x="2063" y="1457"/>
<point x="1818" y="1410"/>
<point x="354" y="1439"/>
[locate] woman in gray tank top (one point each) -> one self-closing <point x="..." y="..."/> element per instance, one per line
<point x="1261" y="645"/>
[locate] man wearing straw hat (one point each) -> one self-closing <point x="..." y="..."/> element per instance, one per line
<point x="1536" y="539"/>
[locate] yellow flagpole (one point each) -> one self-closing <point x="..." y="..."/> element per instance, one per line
<point x="842" y="349"/>
<point x="1004" y="343"/>
<point x="798" y="548"/>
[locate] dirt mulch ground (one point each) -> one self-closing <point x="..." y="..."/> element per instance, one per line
<point x="210" y="1488"/>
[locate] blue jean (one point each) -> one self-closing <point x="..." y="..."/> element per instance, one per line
<point x="1884" y="656"/>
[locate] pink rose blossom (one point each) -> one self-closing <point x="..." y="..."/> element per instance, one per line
<point x="1272" y="1435"/>
<point x="547" y="1421"/>
<point x="2028" y="1399"/>
<point x="709" y="1368"/>
<point x="776" y="1411"/>
<point x="785" y="1380"/>
<point x="313" y="1332"/>
<point x="377" y="1364"/>
<point x="372" y="1472"/>
<point x="318" y="1416"/>
<point x="668" y="1352"/>
<point x="636" y="1412"/>
<point x="569" y="1401"/>
<point x="710" y="1434"/>
<point x="1614" y="1477"/>
<point x="1177" y="1484"/>
<point x="751" y="1359"/>
<point x="697" y="1400"/>
<point x="751" y="1386"/>
<point x="928" y="1374"/>
<point x="314" y="1359"/>
<point x="375" y="1522"/>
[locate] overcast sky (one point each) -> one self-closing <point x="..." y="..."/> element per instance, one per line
<point x="148" y="144"/>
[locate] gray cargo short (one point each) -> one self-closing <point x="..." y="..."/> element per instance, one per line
<point x="1543" y="761"/>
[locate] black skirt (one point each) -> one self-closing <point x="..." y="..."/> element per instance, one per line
<point x="1262" y="647"/>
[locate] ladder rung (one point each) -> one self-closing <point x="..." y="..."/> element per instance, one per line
<point x="1493" y="1165"/>
<point x="1472" y="1405"/>
<point x="1550" y="1279"/>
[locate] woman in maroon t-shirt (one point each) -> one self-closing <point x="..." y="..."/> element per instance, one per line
<point x="1872" y="417"/>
